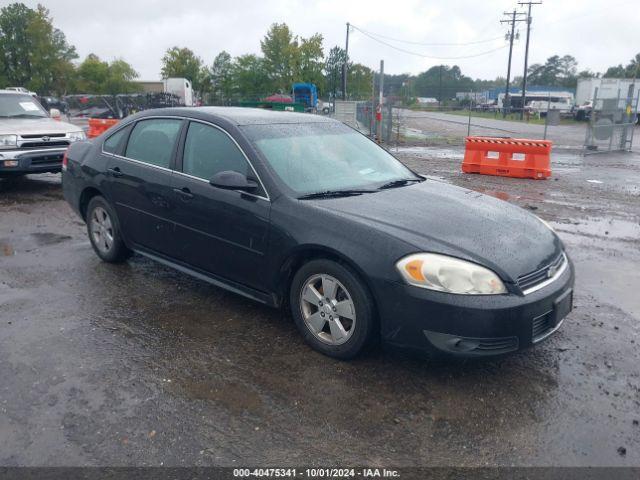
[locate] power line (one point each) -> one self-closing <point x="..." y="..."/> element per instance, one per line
<point x="432" y="57"/>
<point x="477" y="42"/>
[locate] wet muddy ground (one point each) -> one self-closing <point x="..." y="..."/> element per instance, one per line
<point x="136" y="364"/>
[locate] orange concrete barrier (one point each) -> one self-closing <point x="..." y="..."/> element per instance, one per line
<point x="508" y="157"/>
<point x="99" y="125"/>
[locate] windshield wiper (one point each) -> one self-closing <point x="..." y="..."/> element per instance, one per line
<point x="334" y="193"/>
<point x="400" y="183"/>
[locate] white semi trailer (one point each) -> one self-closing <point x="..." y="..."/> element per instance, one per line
<point x="181" y="87"/>
<point x="607" y="89"/>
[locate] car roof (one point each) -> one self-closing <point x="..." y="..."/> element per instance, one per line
<point x="13" y="92"/>
<point x="241" y="115"/>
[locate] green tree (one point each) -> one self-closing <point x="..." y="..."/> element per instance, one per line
<point x="183" y="63"/>
<point x="281" y="56"/>
<point x="442" y="82"/>
<point x="250" y="77"/>
<point x="33" y="53"/>
<point x="617" y="71"/>
<point x="92" y="75"/>
<point x="120" y="78"/>
<point x="633" y="68"/>
<point x="222" y="78"/>
<point x="311" y="61"/>
<point x="556" y="71"/>
<point x="99" y="77"/>
<point x="333" y="70"/>
<point x="588" y="74"/>
<point x="359" y="79"/>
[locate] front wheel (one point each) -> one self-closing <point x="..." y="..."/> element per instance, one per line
<point x="104" y="232"/>
<point x="332" y="308"/>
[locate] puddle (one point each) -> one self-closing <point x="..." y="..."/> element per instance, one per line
<point x="432" y="152"/>
<point x="46" y="238"/>
<point x="234" y="396"/>
<point x="618" y="229"/>
<point x="10" y="246"/>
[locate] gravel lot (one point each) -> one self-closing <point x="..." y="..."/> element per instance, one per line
<point x="136" y="364"/>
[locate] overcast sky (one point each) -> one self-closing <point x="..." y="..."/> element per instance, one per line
<point x="599" y="33"/>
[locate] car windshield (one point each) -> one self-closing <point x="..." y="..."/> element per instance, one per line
<point x="325" y="157"/>
<point x="20" y="106"/>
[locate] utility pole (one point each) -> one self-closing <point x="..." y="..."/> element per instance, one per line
<point x="372" y="122"/>
<point x="512" y="21"/>
<point x="380" y="102"/>
<point x="345" y="66"/>
<point x="526" y="54"/>
<point x="440" y="89"/>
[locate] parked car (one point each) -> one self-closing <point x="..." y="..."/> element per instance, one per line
<point x="50" y="103"/>
<point x="583" y="112"/>
<point x="31" y="141"/>
<point x="302" y="211"/>
<point x="22" y="90"/>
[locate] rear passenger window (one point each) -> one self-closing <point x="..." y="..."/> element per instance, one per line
<point x="152" y="141"/>
<point x="208" y="150"/>
<point x="112" y="144"/>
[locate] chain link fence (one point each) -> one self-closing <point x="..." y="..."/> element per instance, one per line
<point x="612" y="122"/>
<point x="448" y="126"/>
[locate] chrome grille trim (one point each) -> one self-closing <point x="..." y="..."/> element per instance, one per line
<point x="561" y="267"/>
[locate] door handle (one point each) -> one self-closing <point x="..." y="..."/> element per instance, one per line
<point x="185" y="193"/>
<point x="115" y="172"/>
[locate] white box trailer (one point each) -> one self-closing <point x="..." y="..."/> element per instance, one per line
<point x="182" y="88"/>
<point x="608" y="89"/>
<point x="540" y="101"/>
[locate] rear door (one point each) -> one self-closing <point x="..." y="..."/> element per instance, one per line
<point x="223" y="232"/>
<point x="140" y="184"/>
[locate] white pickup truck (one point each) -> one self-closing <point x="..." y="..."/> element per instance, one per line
<point x="30" y="140"/>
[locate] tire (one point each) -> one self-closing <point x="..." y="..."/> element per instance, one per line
<point x="341" y="328"/>
<point x="102" y="225"/>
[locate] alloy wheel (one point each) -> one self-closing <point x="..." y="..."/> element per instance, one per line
<point x="327" y="309"/>
<point x="101" y="229"/>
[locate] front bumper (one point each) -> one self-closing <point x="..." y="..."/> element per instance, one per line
<point x="472" y="325"/>
<point x="32" y="160"/>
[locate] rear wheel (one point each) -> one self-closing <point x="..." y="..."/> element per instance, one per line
<point x="332" y="308"/>
<point x="104" y="232"/>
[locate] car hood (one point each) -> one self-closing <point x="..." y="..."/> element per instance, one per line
<point x="33" y="126"/>
<point x="437" y="217"/>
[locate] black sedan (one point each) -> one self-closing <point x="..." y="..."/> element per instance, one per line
<point x="303" y="212"/>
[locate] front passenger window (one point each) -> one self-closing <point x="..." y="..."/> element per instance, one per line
<point x="152" y="141"/>
<point x="208" y="150"/>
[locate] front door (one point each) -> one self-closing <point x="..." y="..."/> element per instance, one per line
<point x="223" y="232"/>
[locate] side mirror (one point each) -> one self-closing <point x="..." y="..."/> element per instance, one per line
<point x="54" y="113"/>
<point x="230" y="180"/>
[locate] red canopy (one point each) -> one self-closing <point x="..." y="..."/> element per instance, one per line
<point x="279" y="98"/>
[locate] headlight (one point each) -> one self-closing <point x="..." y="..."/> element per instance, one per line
<point x="77" y="136"/>
<point x="8" y="141"/>
<point x="448" y="274"/>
